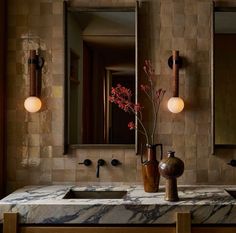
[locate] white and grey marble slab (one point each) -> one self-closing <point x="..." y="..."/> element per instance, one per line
<point x="45" y="205"/>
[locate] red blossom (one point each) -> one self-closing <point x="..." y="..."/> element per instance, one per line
<point x="145" y="87"/>
<point x="148" y="69"/>
<point x="159" y="93"/>
<point x="131" y="125"/>
<point x="138" y="107"/>
<point x="122" y="97"/>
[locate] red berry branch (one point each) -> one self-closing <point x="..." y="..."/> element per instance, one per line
<point x="121" y="96"/>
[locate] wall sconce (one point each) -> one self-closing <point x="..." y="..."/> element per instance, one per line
<point x="175" y="104"/>
<point x="35" y="63"/>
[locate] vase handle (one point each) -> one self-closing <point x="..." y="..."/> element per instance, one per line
<point x="161" y="149"/>
<point x="142" y="162"/>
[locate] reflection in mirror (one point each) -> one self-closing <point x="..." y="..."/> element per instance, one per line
<point x="224" y="77"/>
<point x="100" y="54"/>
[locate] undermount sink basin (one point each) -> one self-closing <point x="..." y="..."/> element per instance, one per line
<point x="231" y="192"/>
<point x="75" y="194"/>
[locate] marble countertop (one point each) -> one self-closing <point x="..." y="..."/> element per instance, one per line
<point x="45" y="205"/>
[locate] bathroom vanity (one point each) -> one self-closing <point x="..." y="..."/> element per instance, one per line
<point x="35" y="209"/>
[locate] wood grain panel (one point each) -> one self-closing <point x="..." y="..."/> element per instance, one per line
<point x="214" y="229"/>
<point x="10" y="223"/>
<point x="97" y="229"/>
<point x="183" y="223"/>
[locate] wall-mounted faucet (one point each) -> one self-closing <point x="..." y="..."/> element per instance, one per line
<point x="101" y="162"/>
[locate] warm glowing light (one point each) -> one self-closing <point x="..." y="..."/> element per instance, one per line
<point x="175" y="104"/>
<point x="32" y="104"/>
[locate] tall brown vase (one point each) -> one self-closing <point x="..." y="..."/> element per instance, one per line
<point x="150" y="172"/>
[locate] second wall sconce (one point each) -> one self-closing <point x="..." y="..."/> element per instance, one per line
<point x="35" y="63"/>
<point x="175" y="104"/>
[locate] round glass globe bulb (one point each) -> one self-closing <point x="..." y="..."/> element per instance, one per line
<point x="32" y="104"/>
<point x="175" y="104"/>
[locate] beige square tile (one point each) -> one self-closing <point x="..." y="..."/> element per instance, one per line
<point x="33" y="127"/>
<point x="190" y="32"/>
<point x="22" y="8"/>
<point x="190" y="152"/>
<point x="165" y="128"/>
<point x="45" y="178"/>
<point x="46" y="151"/>
<point x="58" y="163"/>
<point x="34" y="7"/>
<point x="178" y="141"/>
<point x="58" y="176"/>
<point x="57" y="151"/>
<point x="202" y="176"/>
<point x="202" y="163"/>
<point x="191" y="140"/>
<point x="69" y="175"/>
<point x="45" y="165"/>
<point x="57" y="8"/>
<point x="34" y="139"/>
<point x="70" y="163"/>
<point x="57" y="92"/>
<point x="178" y="31"/>
<point x="45" y="8"/>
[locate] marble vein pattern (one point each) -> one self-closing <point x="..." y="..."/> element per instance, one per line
<point x="45" y="205"/>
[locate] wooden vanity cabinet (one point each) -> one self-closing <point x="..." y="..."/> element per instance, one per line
<point x="214" y="229"/>
<point x="121" y="229"/>
<point x="183" y="225"/>
<point x="98" y="229"/>
<point x="10" y="225"/>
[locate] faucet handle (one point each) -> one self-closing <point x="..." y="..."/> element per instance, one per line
<point x="115" y="162"/>
<point x="101" y="162"/>
<point x="87" y="162"/>
<point x="232" y="163"/>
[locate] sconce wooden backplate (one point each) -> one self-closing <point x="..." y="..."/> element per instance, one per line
<point x="179" y="62"/>
<point x="35" y="64"/>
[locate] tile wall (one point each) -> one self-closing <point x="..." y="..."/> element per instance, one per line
<point x="35" y="141"/>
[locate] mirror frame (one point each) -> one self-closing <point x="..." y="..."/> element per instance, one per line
<point x="67" y="145"/>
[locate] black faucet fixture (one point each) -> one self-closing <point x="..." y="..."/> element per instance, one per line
<point x="232" y="163"/>
<point x="87" y="162"/>
<point x="101" y="162"/>
<point x="115" y="162"/>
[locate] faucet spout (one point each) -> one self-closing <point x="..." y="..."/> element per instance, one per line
<point x="101" y="162"/>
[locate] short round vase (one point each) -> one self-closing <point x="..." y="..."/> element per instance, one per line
<point x="171" y="168"/>
<point x="150" y="172"/>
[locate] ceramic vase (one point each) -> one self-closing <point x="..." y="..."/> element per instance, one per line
<point x="150" y="171"/>
<point x="171" y="168"/>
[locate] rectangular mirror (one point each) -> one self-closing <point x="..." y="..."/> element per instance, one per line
<point x="224" y="80"/>
<point x="100" y="52"/>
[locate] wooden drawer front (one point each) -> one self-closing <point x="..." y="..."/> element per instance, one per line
<point x="214" y="229"/>
<point x="96" y="229"/>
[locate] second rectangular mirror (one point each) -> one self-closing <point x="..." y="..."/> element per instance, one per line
<point x="224" y="77"/>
